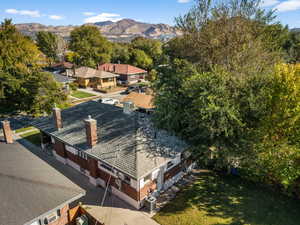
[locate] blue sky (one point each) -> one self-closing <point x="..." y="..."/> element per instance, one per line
<point x="76" y="12"/>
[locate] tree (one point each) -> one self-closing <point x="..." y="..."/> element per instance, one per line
<point x="48" y="44"/>
<point x="153" y="48"/>
<point x="121" y="53"/>
<point x="23" y="84"/>
<point x="90" y="46"/>
<point x="140" y="59"/>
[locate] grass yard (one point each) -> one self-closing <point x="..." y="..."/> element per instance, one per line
<point x="33" y="137"/>
<point x="23" y="129"/>
<point x="81" y="94"/>
<point x="215" y="200"/>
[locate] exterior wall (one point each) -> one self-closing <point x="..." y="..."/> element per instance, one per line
<point x="106" y="84"/>
<point x="82" y="82"/>
<point x="96" y="82"/>
<point x="63" y="219"/>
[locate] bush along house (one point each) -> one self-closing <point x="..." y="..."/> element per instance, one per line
<point x="117" y="147"/>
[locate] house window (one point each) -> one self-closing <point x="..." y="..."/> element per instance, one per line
<point x="127" y="179"/>
<point x="51" y="218"/>
<point x="107" y="167"/>
<point x="147" y="178"/>
<point x="105" y="80"/>
<point x="170" y="165"/>
<point x="82" y="155"/>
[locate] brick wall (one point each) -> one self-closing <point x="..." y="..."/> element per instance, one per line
<point x="59" y="148"/>
<point x="64" y="217"/>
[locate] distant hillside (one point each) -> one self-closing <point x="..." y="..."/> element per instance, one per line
<point x="296" y="30"/>
<point x="123" y="30"/>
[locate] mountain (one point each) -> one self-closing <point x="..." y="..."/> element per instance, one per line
<point x="123" y="30"/>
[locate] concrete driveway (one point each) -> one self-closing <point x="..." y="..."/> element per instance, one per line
<point x="114" y="212"/>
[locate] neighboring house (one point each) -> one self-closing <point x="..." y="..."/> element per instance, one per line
<point x="31" y="191"/>
<point x="61" y="67"/>
<point x="63" y="79"/>
<point x="140" y="101"/>
<point x="116" y="147"/>
<point x="89" y="77"/>
<point x="128" y="73"/>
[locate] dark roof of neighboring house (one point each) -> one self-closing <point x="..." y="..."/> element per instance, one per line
<point x="87" y="72"/>
<point x="121" y="68"/>
<point x="140" y="100"/>
<point x="66" y="65"/>
<point x="29" y="187"/>
<point x="62" y="78"/>
<point x="133" y="135"/>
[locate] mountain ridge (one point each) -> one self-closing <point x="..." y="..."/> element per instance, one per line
<point x="121" y="31"/>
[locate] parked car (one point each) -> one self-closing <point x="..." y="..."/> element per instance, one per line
<point x="110" y="101"/>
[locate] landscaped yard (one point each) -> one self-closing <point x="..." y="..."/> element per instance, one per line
<point x="215" y="200"/>
<point x="33" y="137"/>
<point x="23" y="129"/>
<point x="81" y="94"/>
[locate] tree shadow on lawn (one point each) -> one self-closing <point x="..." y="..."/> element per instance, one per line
<point x="236" y="200"/>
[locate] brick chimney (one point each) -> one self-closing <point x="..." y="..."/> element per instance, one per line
<point x="91" y="131"/>
<point x="8" y="135"/>
<point x="57" y="117"/>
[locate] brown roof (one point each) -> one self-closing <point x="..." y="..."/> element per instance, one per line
<point x="66" y="65"/>
<point x="140" y="100"/>
<point x="87" y="72"/>
<point x="121" y="68"/>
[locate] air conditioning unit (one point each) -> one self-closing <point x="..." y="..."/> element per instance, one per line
<point x="120" y="176"/>
<point x="118" y="183"/>
<point x="82" y="220"/>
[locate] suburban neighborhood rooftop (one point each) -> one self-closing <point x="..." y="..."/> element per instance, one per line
<point x="31" y="186"/>
<point x="141" y="148"/>
<point x="87" y="72"/>
<point x="121" y="68"/>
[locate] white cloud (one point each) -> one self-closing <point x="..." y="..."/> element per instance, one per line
<point x="55" y="17"/>
<point x="89" y="13"/>
<point x="183" y="1"/>
<point x="267" y="3"/>
<point x="289" y="5"/>
<point x="31" y="13"/>
<point x="103" y="17"/>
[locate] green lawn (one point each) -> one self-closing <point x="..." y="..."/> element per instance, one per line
<point x="81" y="94"/>
<point x="23" y="129"/>
<point x="215" y="200"/>
<point x="33" y="137"/>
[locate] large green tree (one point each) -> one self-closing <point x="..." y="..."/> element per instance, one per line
<point x="48" y="44"/>
<point x="23" y="84"/>
<point x="90" y="46"/>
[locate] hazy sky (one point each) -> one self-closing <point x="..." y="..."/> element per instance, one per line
<point x="65" y="12"/>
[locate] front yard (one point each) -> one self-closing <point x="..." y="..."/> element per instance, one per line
<point x="215" y="200"/>
<point x="81" y="94"/>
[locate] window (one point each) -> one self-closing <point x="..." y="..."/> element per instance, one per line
<point x="147" y="178"/>
<point x="51" y="218"/>
<point x="170" y="164"/>
<point x="82" y="155"/>
<point x="107" y="167"/>
<point x="105" y="80"/>
<point x="126" y="179"/>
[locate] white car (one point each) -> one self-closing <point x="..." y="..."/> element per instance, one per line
<point x="109" y="101"/>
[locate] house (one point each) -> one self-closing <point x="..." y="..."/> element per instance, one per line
<point x="89" y="77"/>
<point x="32" y="191"/>
<point x="116" y="147"/>
<point x="127" y="73"/>
<point x="141" y="101"/>
<point x="61" y="67"/>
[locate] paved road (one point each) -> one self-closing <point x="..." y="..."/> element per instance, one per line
<point x="114" y="212"/>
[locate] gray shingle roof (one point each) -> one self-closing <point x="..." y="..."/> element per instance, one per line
<point x="131" y="135"/>
<point x="29" y="187"/>
<point x="62" y="78"/>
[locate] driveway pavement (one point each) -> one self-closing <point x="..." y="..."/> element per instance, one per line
<point x="114" y="212"/>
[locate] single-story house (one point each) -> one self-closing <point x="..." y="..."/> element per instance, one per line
<point x="61" y="67"/>
<point x="116" y="147"/>
<point x="32" y="191"/>
<point x="127" y="73"/>
<point x="89" y="77"/>
<point x="140" y="100"/>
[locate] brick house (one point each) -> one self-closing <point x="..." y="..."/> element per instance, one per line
<point x="116" y="147"/>
<point x="127" y="73"/>
<point x="32" y="191"/>
<point x="89" y="77"/>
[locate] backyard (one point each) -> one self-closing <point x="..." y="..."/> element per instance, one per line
<point x="215" y="200"/>
<point x="33" y="137"/>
